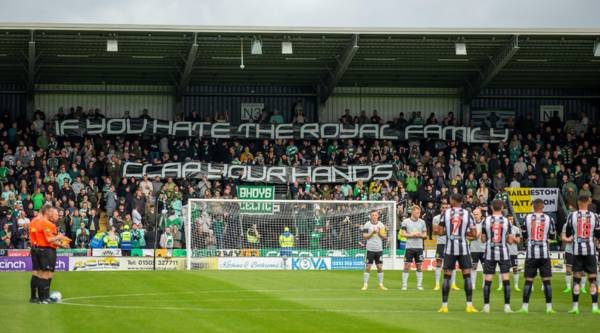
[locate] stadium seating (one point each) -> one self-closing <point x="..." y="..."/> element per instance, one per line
<point x="35" y="166"/>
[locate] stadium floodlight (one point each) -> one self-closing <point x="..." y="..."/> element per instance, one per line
<point x="147" y="57"/>
<point x="242" y="54"/>
<point x="320" y="229"/>
<point x="597" y="49"/>
<point x="286" y="47"/>
<point x="72" y="55"/>
<point x="460" y="48"/>
<point x="453" y="59"/>
<point x="224" y="58"/>
<point x="379" y="59"/>
<point x="531" y="60"/>
<point x="112" y="45"/>
<point x="256" y="46"/>
<point x="300" y="58"/>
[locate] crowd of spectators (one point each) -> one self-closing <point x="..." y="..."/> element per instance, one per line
<point x="83" y="175"/>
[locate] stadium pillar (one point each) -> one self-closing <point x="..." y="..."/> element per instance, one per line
<point x="31" y="62"/>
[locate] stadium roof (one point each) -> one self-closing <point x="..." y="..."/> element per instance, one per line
<point x="325" y="57"/>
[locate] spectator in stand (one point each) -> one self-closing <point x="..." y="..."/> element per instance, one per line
<point x="138" y="237"/>
<point x="22" y="237"/>
<point x="276" y="118"/>
<point x="6" y="237"/>
<point x="449" y="120"/>
<point x="166" y="242"/>
<point x="299" y="117"/>
<point x="432" y="120"/>
<point x="177" y="237"/>
<point x="82" y="240"/>
<point x="375" y="118"/>
<point x="347" y="117"/>
<point x="362" y="118"/>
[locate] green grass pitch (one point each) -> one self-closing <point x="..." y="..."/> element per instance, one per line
<point x="268" y="301"/>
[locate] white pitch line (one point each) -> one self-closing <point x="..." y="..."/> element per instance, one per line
<point x="221" y="310"/>
<point x="223" y="291"/>
<point x="325" y="299"/>
<point x="68" y="301"/>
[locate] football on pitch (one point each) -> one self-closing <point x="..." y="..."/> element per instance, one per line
<point x="56" y="296"/>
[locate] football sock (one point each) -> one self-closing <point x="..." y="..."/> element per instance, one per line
<point x="419" y="278"/>
<point x="527" y="291"/>
<point x="568" y="279"/>
<point x="474" y="278"/>
<point x="468" y="287"/>
<point x="438" y="273"/>
<point x="516" y="279"/>
<point x="583" y="283"/>
<point x="453" y="277"/>
<point x="486" y="292"/>
<point x="380" y="277"/>
<point x="548" y="292"/>
<point x="445" y="288"/>
<point x="40" y="288"/>
<point x="576" y="282"/>
<point x="45" y="289"/>
<point x="506" y="285"/>
<point x="595" y="294"/>
<point x="404" y="279"/>
<point x="33" y="285"/>
<point x="366" y="277"/>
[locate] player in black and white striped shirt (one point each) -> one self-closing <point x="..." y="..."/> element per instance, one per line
<point x="538" y="229"/>
<point x="458" y="225"/>
<point x="582" y="227"/>
<point x="496" y="233"/>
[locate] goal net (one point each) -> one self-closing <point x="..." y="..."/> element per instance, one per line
<point x="282" y="234"/>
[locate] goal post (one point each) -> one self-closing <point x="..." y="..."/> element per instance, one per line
<point x="283" y="234"/>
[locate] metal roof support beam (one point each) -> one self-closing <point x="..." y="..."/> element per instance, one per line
<point x="334" y="77"/>
<point x="189" y="66"/>
<point x="498" y="61"/>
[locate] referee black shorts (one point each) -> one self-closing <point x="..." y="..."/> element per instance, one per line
<point x="374" y="257"/>
<point x="45" y="259"/>
<point x="489" y="266"/>
<point x="586" y="264"/>
<point x="464" y="262"/>
<point x="415" y="255"/>
<point x="35" y="259"/>
<point x="533" y="265"/>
